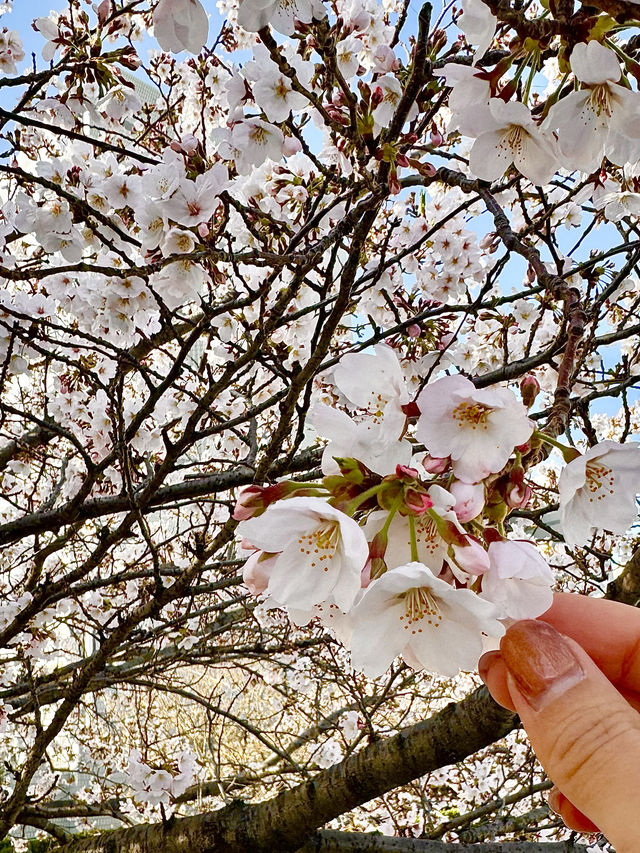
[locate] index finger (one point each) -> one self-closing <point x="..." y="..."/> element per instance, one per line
<point x="607" y="630"/>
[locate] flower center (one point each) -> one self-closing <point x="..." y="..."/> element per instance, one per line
<point x="599" y="480"/>
<point x="472" y="415"/>
<point x="420" y="603"/>
<point x="321" y="544"/>
<point x="514" y="137"/>
<point x="600" y="100"/>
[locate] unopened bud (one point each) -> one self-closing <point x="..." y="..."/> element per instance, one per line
<point x="377" y="97"/>
<point x="435" y="464"/>
<point x="518" y="495"/>
<point x="203" y="230"/>
<point x="529" y="389"/>
<point x="417" y="502"/>
<point x="254" y="500"/>
<point x="414" y="330"/>
<point x="436" y="138"/>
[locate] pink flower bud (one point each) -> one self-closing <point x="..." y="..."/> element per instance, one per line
<point x="404" y="472"/>
<point x="377" y="97"/>
<point x="469" y="499"/>
<point x="175" y="146"/>
<point x="103" y="11"/>
<point x="257" y="571"/>
<point x="402" y="160"/>
<point x="255" y="499"/>
<point x="291" y="146"/>
<point x="203" y="230"/>
<point x="435" y="464"/>
<point x="414" y="330"/>
<point x="518" y="495"/>
<point x="436" y="138"/>
<point x="529" y="388"/>
<point x="468" y="559"/>
<point x="417" y="502"/>
<point x="189" y="143"/>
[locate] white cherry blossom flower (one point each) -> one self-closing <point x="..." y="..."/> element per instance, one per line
<point x="617" y="205"/>
<point x="10" y="51"/>
<point x="598" y="490"/>
<point x="178" y="242"/>
<point x="410" y="612"/>
<point x="468" y="92"/>
<point x="477" y="428"/>
<point x="510" y="135"/>
<point x="376" y="383"/>
<point x="601" y="119"/>
<point x="321" y="552"/>
<point x="253" y="15"/>
<point x="196" y="201"/>
<point x="252" y="142"/>
<point x="181" y="25"/>
<point x="348" y="52"/>
<point x="519" y="581"/>
<point x="365" y="441"/>
<point x="478" y="24"/>
<point x="392" y="93"/>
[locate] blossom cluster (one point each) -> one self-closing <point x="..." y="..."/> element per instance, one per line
<point x="402" y="548"/>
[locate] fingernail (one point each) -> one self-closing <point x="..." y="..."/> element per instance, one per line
<point x="554" y="799"/>
<point x="540" y="660"/>
<point x="486" y="662"/>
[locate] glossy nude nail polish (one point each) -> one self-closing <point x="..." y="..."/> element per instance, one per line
<point x="540" y="660"/>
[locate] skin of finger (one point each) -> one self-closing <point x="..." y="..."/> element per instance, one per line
<point x="588" y="741"/>
<point x="494" y="674"/>
<point x="571" y="816"/>
<point x="607" y="630"/>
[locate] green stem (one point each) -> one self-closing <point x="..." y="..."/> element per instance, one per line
<point x="568" y="453"/>
<point x="414" y="541"/>
<point x="394" y="508"/>
<point x="353" y="505"/>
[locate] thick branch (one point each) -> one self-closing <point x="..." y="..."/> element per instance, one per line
<point x="285" y="822"/>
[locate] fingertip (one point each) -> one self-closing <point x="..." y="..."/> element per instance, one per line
<point x="486" y="663"/>
<point x="494" y="674"/>
<point x="571" y="816"/>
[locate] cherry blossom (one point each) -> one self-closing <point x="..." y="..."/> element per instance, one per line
<point x="321" y="552"/>
<point x="181" y="25"/>
<point x="478" y="428"/>
<point x="253" y="15"/>
<point x="10" y="50"/>
<point x="598" y="490"/>
<point x="508" y="134"/>
<point x="478" y="24"/>
<point x="470" y="499"/>
<point x="410" y="611"/>
<point x="376" y="383"/>
<point x="603" y="118"/>
<point x="519" y="581"/>
<point x="365" y="441"/>
<point x="196" y="201"/>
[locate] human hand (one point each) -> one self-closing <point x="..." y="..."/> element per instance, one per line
<point x="573" y="676"/>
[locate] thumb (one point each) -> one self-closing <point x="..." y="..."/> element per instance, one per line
<point x="585" y="734"/>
